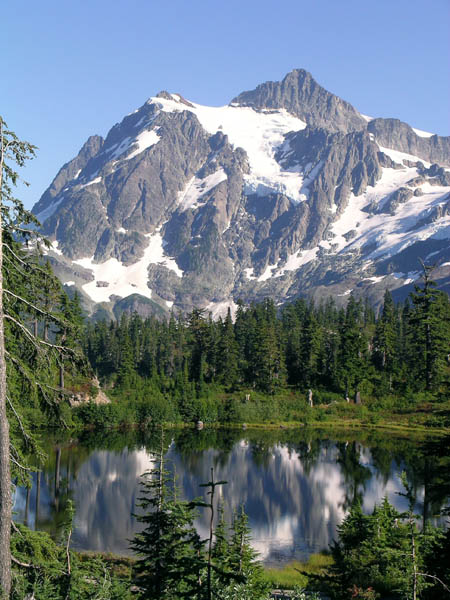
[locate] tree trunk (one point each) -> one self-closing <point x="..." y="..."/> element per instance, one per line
<point x="61" y="376"/>
<point x="38" y="498"/>
<point x="57" y="475"/>
<point x="5" y="474"/>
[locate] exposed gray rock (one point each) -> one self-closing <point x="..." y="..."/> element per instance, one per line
<point x="436" y="175"/>
<point x="392" y="133"/>
<point x="68" y="171"/>
<point x="435" y="214"/>
<point x="302" y="96"/>
<point x="188" y="189"/>
<point x="398" y="197"/>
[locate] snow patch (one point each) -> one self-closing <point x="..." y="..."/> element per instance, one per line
<point x="197" y="188"/>
<point x="220" y="309"/>
<point x="96" y="180"/>
<point x="124" y="280"/>
<point x="55" y="248"/>
<point x="421" y="133"/>
<point x="407" y="277"/>
<point x="268" y="273"/>
<point x="249" y="273"/>
<point x="76" y="174"/>
<point x="399" y="157"/>
<point x="375" y="279"/>
<point x="260" y="133"/>
<point x="144" y="140"/>
<point x="298" y="259"/>
<point x="388" y="234"/>
<point x="156" y="254"/>
<point x="121" y="230"/>
<point x="48" y="212"/>
<point x="118" y="149"/>
<point x="169" y="303"/>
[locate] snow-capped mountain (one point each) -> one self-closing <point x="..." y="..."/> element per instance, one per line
<point x="286" y="191"/>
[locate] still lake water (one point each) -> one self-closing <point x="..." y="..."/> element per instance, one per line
<point x="296" y="485"/>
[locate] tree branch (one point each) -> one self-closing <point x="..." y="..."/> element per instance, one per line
<point x="436" y="578"/>
<point x="24" y="433"/>
<point x="35" y="341"/>
<point x="39" y="310"/>
<point x="22" y="564"/>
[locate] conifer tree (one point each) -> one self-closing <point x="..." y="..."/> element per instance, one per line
<point x="227" y="355"/>
<point x="429" y="332"/>
<point x="28" y="361"/>
<point x="243" y="561"/>
<point x="385" y="343"/>
<point x="353" y="348"/>
<point x="169" y="550"/>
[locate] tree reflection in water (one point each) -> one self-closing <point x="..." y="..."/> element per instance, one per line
<point x="296" y="485"/>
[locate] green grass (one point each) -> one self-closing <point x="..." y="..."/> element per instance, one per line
<point x="289" y="576"/>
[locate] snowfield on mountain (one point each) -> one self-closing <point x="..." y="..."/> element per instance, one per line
<point x="286" y="191"/>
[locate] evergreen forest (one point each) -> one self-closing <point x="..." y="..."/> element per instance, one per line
<point x="268" y="361"/>
<point x="267" y="364"/>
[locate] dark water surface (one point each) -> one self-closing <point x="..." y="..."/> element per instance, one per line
<point x="296" y="485"/>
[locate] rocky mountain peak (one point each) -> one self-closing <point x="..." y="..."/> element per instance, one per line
<point x="286" y="191"/>
<point x="302" y="96"/>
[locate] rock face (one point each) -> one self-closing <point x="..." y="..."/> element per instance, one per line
<point x="302" y="96"/>
<point x="395" y="134"/>
<point x="286" y="191"/>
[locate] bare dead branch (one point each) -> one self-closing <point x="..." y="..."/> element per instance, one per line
<point x="35" y="267"/>
<point x="22" y="428"/>
<point x="30" y="337"/>
<point x="68" y="551"/>
<point x="22" y="467"/>
<point x="35" y="341"/>
<point x="436" y="578"/>
<point x="16" y="529"/>
<point x="22" y="564"/>
<point x="39" y="310"/>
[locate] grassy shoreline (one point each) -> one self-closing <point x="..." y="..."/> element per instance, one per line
<point x="423" y="414"/>
<point x="284" y="577"/>
<point x="400" y="426"/>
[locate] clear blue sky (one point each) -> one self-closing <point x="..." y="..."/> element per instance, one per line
<point x="74" y="68"/>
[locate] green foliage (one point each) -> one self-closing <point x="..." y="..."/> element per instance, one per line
<point x="45" y="574"/>
<point x="169" y="550"/>
<point x="428" y="334"/>
<point x="260" y="368"/>
<point x="381" y="555"/>
<point x="294" y="575"/>
<point x="173" y="562"/>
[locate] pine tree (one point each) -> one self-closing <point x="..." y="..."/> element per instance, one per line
<point x="383" y="552"/>
<point x="385" y="342"/>
<point x="243" y="561"/>
<point x="170" y="552"/>
<point x="353" y="348"/>
<point x="27" y="361"/>
<point x="429" y="332"/>
<point x="227" y="356"/>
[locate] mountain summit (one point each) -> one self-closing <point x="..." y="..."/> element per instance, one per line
<point x="286" y="191"/>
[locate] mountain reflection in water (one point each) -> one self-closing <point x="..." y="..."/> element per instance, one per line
<point x="296" y="486"/>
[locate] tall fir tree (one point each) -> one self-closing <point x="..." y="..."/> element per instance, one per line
<point x="429" y="333"/>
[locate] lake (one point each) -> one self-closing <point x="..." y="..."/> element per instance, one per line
<point x="296" y="485"/>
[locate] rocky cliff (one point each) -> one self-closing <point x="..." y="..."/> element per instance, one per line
<point x="286" y="191"/>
